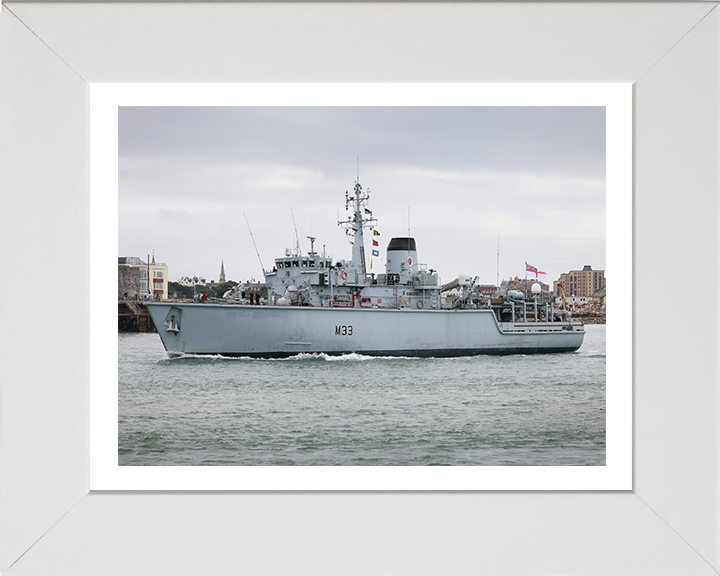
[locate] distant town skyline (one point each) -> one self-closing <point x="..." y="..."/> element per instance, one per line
<point x="458" y="178"/>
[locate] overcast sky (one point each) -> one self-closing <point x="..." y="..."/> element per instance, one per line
<point x="535" y="176"/>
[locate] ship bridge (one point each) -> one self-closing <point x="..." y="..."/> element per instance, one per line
<point x="305" y="262"/>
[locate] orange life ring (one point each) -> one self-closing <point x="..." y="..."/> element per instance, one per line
<point x="344" y="275"/>
<point x="420" y="304"/>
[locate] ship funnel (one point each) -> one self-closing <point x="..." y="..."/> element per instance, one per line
<point x="401" y="260"/>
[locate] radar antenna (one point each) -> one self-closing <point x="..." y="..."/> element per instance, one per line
<point x="312" y="245"/>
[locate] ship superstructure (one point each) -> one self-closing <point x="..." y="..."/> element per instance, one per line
<point x="315" y="280"/>
<point x="320" y="305"/>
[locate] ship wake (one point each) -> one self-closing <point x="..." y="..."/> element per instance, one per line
<point x="302" y="357"/>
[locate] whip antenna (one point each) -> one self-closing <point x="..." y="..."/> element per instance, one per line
<point x="253" y="241"/>
<point x="297" y="238"/>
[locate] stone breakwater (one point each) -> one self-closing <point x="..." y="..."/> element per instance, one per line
<point x="134" y="317"/>
<point x="596" y="319"/>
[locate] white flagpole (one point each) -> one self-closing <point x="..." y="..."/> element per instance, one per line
<point x="497" y="279"/>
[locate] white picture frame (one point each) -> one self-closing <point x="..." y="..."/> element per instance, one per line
<point x="49" y="53"/>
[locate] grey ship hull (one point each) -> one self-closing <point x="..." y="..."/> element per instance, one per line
<point x="282" y="331"/>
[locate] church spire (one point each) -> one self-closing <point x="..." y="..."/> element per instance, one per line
<point x="221" y="280"/>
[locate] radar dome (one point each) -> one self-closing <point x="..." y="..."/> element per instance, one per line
<point x="464" y="278"/>
<point x="536" y="289"/>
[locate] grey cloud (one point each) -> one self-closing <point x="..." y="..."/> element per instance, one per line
<point x="535" y="176"/>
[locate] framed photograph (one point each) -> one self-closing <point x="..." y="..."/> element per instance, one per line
<point x="65" y="512"/>
<point x="560" y="438"/>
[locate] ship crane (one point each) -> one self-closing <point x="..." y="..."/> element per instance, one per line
<point x="566" y="309"/>
<point x="562" y="294"/>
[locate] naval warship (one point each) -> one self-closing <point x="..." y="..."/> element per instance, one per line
<point x="318" y="305"/>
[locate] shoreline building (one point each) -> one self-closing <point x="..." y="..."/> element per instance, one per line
<point x="583" y="283"/>
<point x="158" y="271"/>
<point x="194" y="281"/>
<point x="523" y="284"/>
<point x="487" y="290"/>
<point x="138" y="280"/>
<point x="132" y="278"/>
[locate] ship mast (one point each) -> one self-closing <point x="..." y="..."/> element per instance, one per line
<point x="356" y="223"/>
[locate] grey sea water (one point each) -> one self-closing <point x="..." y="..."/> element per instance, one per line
<point x="315" y="410"/>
